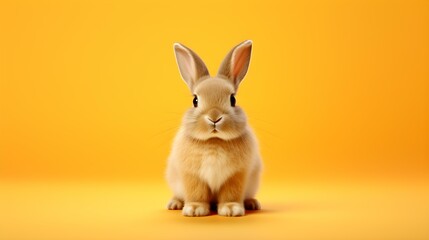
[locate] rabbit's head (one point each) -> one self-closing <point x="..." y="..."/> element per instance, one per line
<point x="214" y="113"/>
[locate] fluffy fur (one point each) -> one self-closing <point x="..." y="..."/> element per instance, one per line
<point x="215" y="157"/>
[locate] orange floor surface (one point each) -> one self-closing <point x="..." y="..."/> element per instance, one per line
<point x="136" y="210"/>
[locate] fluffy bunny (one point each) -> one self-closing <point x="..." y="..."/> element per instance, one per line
<point x="215" y="157"/>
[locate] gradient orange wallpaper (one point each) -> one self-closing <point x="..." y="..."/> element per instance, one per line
<point x="91" y="97"/>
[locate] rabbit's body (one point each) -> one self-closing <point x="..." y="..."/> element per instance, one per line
<point x="214" y="161"/>
<point x="215" y="157"/>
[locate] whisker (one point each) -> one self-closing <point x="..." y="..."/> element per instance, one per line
<point x="262" y="130"/>
<point x="165" y="131"/>
<point x="260" y="120"/>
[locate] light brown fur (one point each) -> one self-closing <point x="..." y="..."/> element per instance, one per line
<point x="214" y="162"/>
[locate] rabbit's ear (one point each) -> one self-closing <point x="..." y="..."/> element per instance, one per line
<point x="234" y="66"/>
<point x="191" y="67"/>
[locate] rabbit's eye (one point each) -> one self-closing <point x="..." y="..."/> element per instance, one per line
<point x="232" y="99"/>
<point x="195" y="101"/>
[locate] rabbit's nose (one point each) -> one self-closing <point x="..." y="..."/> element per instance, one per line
<point x="214" y="116"/>
<point x="214" y="121"/>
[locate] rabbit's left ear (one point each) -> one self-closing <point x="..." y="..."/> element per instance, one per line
<point x="191" y="67"/>
<point x="234" y="66"/>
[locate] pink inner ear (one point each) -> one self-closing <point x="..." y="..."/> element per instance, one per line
<point x="189" y="67"/>
<point x="240" y="58"/>
<point x="186" y="64"/>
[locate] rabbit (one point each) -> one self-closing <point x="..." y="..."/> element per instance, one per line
<point x="214" y="158"/>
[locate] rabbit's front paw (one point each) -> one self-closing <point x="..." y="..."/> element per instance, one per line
<point x="230" y="209"/>
<point x="196" y="209"/>
<point x="175" y="204"/>
<point x="252" y="204"/>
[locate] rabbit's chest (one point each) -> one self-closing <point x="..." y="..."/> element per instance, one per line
<point x="216" y="168"/>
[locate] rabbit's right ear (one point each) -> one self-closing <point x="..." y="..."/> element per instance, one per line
<point x="191" y="67"/>
<point x="234" y="66"/>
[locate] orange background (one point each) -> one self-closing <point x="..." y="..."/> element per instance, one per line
<point x="336" y="91"/>
<point x="91" y="89"/>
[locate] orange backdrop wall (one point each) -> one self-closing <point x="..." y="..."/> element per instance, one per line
<point x="336" y="89"/>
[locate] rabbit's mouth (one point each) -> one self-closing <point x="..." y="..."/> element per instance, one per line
<point x="215" y="131"/>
